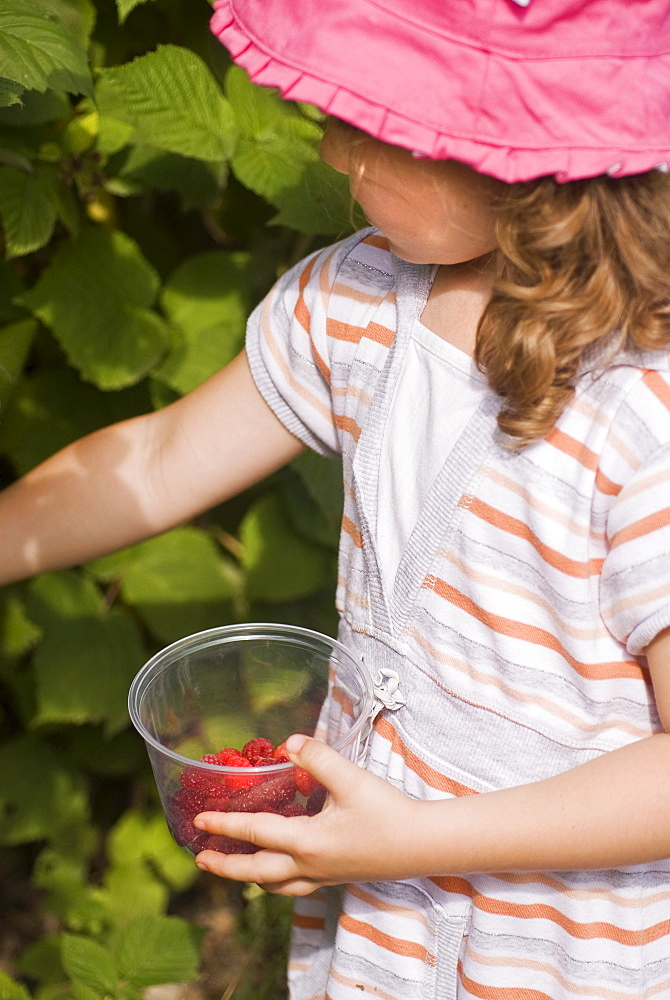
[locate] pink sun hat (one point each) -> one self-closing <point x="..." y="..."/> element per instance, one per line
<point x="517" y="90"/>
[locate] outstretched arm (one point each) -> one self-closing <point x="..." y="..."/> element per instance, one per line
<point x="140" y="477"/>
<point x="612" y="811"/>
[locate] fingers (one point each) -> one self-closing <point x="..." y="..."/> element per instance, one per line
<point x="327" y="765"/>
<point x="263" y="829"/>
<point x="270" y="869"/>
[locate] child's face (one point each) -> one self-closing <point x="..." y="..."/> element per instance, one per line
<point x="431" y="211"/>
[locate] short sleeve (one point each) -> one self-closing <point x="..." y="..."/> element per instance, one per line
<point x="635" y="579"/>
<point x="288" y="350"/>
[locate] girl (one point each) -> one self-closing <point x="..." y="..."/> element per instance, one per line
<point x="491" y="361"/>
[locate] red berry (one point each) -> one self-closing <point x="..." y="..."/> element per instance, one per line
<point x="258" y="747"/>
<point x="210" y="758"/>
<point x="187" y="836"/>
<point x="198" y="779"/>
<point x="316" y="801"/>
<point x="236" y="782"/>
<point x="280" y="753"/>
<point x="187" y="802"/>
<point x="228" y="756"/>
<point x="228" y="845"/>
<point x="276" y="791"/>
<point x="294" y="809"/>
<point x="219" y="803"/>
<point x="304" y="781"/>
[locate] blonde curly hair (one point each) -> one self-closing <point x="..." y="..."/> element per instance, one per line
<point x="581" y="265"/>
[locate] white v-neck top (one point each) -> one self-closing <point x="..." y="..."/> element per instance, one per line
<point x="437" y="392"/>
<point x="526" y="593"/>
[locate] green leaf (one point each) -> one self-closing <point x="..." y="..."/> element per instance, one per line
<point x="132" y="891"/>
<point x="277" y="157"/>
<point x="63" y="596"/>
<point x="89" y="748"/>
<point x="15" y="341"/>
<point x="63" y="875"/>
<point x="41" y="45"/>
<point x="36" y="108"/>
<point x="157" y="950"/>
<point x="195" y="181"/>
<point x="83" y="670"/>
<point x="140" y="838"/>
<point x="96" y="295"/>
<point x="39" y="795"/>
<point x="10" y="93"/>
<point x="41" y="961"/>
<point x="173" y="102"/>
<point x="11" y="990"/>
<point x="28" y="213"/>
<point x="10" y="288"/>
<point x="178" y="582"/>
<point x="87" y="962"/>
<point x="318" y="515"/>
<point x="54" y="407"/>
<point x="124" y="8"/>
<point x="207" y="300"/>
<point x="18" y="633"/>
<point x="280" y="564"/>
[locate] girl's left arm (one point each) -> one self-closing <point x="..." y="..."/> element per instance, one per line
<point x="612" y="811"/>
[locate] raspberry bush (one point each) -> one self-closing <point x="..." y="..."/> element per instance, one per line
<point x="149" y="189"/>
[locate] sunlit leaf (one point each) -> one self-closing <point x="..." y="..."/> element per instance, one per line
<point x="27" y="211"/>
<point x="277" y="156"/>
<point x="41" y="45"/>
<point x="138" y="837"/>
<point x="131" y="891"/>
<point x="207" y="300"/>
<point x="11" y="990"/>
<point x="39" y="794"/>
<point x="54" y="407"/>
<point x="10" y="93"/>
<point x="280" y="564"/>
<point x="96" y="296"/>
<point x="195" y="181"/>
<point x="178" y="582"/>
<point x="172" y="101"/>
<point x="15" y="341"/>
<point x="159" y="950"/>
<point x="90" y="963"/>
<point x="83" y="670"/>
<point x="124" y="7"/>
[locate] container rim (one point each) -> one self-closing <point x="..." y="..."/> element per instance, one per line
<point x="228" y="633"/>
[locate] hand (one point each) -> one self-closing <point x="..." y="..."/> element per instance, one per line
<point x="365" y="832"/>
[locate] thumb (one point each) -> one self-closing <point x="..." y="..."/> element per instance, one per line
<point x="327" y="765"/>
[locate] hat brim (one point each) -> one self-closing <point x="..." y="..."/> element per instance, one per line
<point x="570" y="116"/>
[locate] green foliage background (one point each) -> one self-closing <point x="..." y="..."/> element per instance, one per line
<point x="149" y="196"/>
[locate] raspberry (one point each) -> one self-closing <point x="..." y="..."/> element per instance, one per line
<point x="275" y="792"/>
<point x="228" y="845"/>
<point x="228" y="756"/>
<point x="304" y="781"/>
<point x="210" y="758"/>
<point x="237" y="782"/>
<point x="258" y="747"/>
<point x="187" y="836"/>
<point x="294" y="809"/>
<point x="316" y="801"/>
<point x="198" y="779"/>
<point x="280" y="754"/>
<point x="187" y="802"/>
<point x="265" y="761"/>
<point x="219" y="803"/>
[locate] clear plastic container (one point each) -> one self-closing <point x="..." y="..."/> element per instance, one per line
<point x="226" y="686"/>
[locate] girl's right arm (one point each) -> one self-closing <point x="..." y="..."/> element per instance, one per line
<point x="140" y="477"/>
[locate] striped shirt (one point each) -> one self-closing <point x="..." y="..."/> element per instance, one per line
<point x="525" y="595"/>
